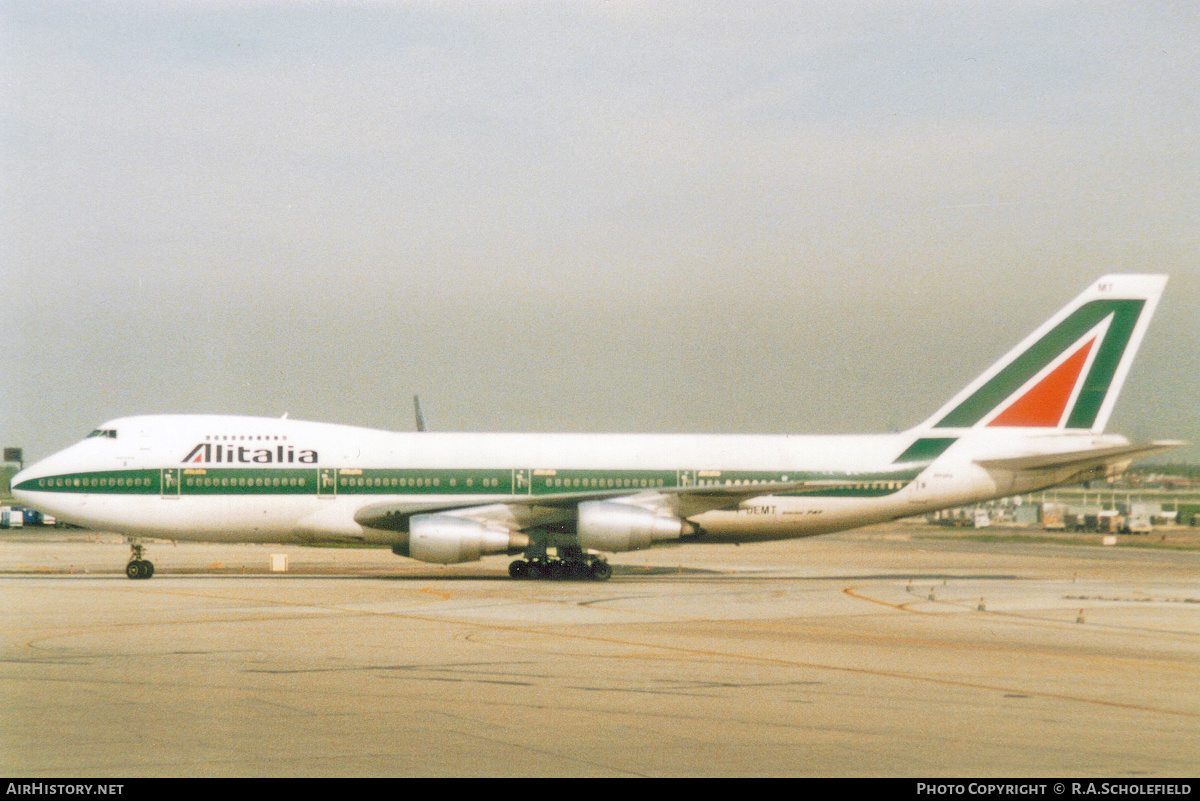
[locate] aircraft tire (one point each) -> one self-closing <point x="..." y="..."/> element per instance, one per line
<point x="519" y="569"/>
<point x="601" y="570"/>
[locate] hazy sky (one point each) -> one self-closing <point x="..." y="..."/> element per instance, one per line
<point x="611" y="216"/>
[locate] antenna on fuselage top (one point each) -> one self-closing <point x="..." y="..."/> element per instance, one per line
<point x="417" y="412"/>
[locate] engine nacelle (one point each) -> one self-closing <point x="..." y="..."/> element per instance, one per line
<point x="610" y="526"/>
<point x="447" y="540"/>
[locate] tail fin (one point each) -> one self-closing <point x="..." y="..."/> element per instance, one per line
<point x="1068" y="372"/>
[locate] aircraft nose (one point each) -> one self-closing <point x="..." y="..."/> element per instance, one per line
<point x="15" y="481"/>
<point x="25" y="481"/>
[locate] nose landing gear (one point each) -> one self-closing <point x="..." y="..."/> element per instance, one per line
<point x="138" y="568"/>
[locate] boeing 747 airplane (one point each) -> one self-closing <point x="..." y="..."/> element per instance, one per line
<point x="1034" y="420"/>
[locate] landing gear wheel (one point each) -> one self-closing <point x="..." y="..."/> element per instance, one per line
<point x="139" y="569"/>
<point x="601" y="570"/>
<point x="576" y="567"/>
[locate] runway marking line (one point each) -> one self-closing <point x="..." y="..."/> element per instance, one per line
<point x="904" y="607"/>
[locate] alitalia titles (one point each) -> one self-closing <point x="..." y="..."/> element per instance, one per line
<point x="207" y="453"/>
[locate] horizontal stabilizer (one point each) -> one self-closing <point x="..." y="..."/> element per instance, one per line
<point x="1092" y="457"/>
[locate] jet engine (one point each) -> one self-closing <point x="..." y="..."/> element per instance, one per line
<point x="610" y="526"/>
<point x="447" y="540"/>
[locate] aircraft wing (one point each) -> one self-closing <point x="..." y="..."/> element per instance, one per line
<point x="1083" y="460"/>
<point x="542" y="510"/>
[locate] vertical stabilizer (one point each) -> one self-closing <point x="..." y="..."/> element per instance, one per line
<point x="1066" y="374"/>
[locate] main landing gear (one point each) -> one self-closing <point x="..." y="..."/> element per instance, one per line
<point x="577" y="568"/>
<point x="138" y="568"/>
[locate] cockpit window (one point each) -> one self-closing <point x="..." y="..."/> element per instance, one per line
<point x="111" y="433"/>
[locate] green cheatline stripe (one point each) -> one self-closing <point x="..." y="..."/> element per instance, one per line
<point x="211" y="481"/>
<point x="1028" y="364"/>
<point x="852" y="492"/>
<point x="860" y="485"/>
<point x="232" y="481"/>
<point x="551" y="482"/>
<point x="109" y="482"/>
<point x="383" y="481"/>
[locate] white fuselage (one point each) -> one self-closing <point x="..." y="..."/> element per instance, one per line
<point x="245" y="479"/>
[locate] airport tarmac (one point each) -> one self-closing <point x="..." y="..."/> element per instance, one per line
<point x="887" y="652"/>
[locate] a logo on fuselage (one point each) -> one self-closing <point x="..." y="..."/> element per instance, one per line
<point x="207" y="452"/>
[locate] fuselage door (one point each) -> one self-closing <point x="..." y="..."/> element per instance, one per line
<point x="169" y="482"/>
<point x="326" y="482"/>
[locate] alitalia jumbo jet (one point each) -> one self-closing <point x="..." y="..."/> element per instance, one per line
<point x="1035" y="419"/>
